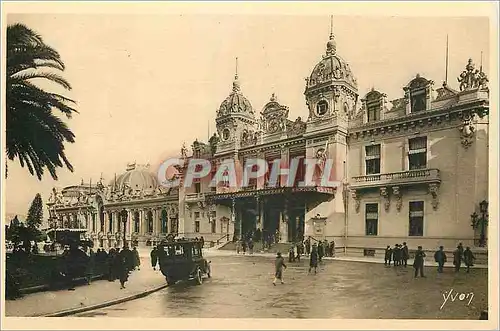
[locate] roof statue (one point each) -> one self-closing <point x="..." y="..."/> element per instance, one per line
<point x="472" y="78"/>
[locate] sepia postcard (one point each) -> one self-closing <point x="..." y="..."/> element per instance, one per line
<point x="249" y="165"/>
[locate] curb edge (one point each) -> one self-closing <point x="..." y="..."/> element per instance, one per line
<point x="102" y="305"/>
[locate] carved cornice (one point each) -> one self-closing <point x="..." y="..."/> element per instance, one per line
<point x="418" y="120"/>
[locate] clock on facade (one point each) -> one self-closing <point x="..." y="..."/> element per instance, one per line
<point x="225" y="134"/>
<point x="322" y="108"/>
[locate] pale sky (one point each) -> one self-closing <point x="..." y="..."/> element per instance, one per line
<point x="144" y="84"/>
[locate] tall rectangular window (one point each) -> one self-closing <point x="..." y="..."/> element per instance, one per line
<point x="418" y="100"/>
<point x="371" y="219"/>
<point x="372" y="159"/>
<point x="416" y="218"/>
<point x="197" y="226"/>
<point x="417" y="153"/>
<point x="197" y="187"/>
<point x="110" y="228"/>
<point x="373" y="112"/>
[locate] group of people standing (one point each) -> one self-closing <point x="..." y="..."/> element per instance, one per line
<point x="400" y="255"/>
<point x="120" y="262"/>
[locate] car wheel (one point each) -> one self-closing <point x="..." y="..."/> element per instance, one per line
<point x="199" y="279"/>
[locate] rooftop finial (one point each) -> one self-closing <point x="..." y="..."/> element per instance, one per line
<point x="446" y="73"/>
<point x="481" y="63"/>
<point x="331" y="46"/>
<point x="331" y="27"/>
<point x="236" y="72"/>
<point x="236" y="83"/>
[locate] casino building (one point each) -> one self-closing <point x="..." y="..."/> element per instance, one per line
<point x="411" y="169"/>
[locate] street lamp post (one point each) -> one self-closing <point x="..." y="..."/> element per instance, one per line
<point x="124" y="221"/>
<point x="483" y="208"/>
<point x="481" y="222"/>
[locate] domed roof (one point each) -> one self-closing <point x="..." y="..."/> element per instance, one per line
<point x="331" y="68"/>
<point x="136" y="178"/>
<point x="236" y="103"/>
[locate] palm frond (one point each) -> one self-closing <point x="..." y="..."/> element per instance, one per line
<point x="45" y="75"/>
<point x="34" y="135"/>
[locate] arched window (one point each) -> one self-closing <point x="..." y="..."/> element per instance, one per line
<point x="110" y="224"/>
<point x="136" y="222"/>
<point x="164" y="221"/>
<point x="150" y="221"/>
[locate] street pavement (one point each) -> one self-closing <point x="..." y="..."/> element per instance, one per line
<point x="98" y="292"/>
<point x="241" y="287"/>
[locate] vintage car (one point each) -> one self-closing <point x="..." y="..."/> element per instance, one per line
<point x="183" y="260"/>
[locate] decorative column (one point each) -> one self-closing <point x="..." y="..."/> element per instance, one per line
<point x="142" y="229"/>
<point x="259" y="220"/>
<point x="284" y="224"/>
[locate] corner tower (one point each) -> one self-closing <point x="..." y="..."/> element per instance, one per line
<point x="331" y="96"/>
<point x="235" y="115"/>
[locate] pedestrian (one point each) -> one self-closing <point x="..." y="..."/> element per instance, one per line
<point x="137" y="259"/>
<point x="238" y="246"/>
<point x="300" y="250"/>
<point x="388" y="256"/>
<point x="291" y="255"/>
<point x="457" y="258"/>
<point x="250" y="246"/>
<point x="244" y="246"/>
<point x="313" y="259"/>
<point x="326" y="248"/>
<point x="440" y="258"/>
<point x="332" y="248"/>
<point x="110" y="262"/>
<point x="90" y="266"/>
<point x="468" y="258"/>
<point x="405" y="254"/>
<point x="418" y="262"/>
<point x="279" y="265"/>
<point x="461" y="249"/>
<point x="308" y="246"/>
<point x="154" y="257"/>
<point x="396" y="253"/>
<point x="321" y="251"/>
<point x="124" y="265"/>
<point x="202" y="242"/>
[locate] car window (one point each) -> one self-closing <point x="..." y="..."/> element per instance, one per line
<point x="173" y="250"/>
<point x="196" y="251"/>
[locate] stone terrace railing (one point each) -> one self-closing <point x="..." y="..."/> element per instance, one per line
<point x="397" y="178"/>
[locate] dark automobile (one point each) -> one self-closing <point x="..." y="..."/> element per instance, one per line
<point x="183" y="260"/>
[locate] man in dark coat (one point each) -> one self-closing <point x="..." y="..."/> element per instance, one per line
<point x="405" y="255"/>
<point x="468" y="258"/>
<point x="396" y="255"/>
<point x="313" y="259"/>
<point x="418" y="263"/>
<point x="388" y="256"/>
<point x="308" y="246"/>
<point x="321" y="251"/>
<point x="136" y="259"/>
<point x="125" y="265"/>
<point x="457" y="258"/>
<point x="279" y="264"/>
<point x="154" y="257"/>
<point x="440" y="258"/>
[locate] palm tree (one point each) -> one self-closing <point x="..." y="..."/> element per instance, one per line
<point x="33" y="133"/>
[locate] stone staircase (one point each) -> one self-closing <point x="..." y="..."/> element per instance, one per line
<point x="280" y="247"/>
